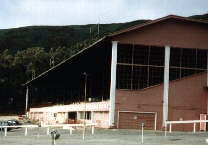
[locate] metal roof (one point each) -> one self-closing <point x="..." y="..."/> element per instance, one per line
<point x="64" y="61"/>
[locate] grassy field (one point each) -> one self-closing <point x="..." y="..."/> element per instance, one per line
<point x="103" y="137"/>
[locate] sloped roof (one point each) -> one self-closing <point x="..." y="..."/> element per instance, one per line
<point x="64" y="61"/>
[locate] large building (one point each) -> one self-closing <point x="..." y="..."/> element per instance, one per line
<point x="150" y="73"/>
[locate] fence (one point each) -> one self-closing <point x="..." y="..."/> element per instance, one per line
<point x="69" y="127"/>
<point x="63" y="126"/>
<point x="183" y="122"/>
<point x="17" y="126"/>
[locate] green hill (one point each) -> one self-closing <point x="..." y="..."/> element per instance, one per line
<point x="55" y="36"/>
<point x="60" y="36"/>
<point x="200" y="17"/>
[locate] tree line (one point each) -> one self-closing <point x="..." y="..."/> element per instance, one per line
<point x="17" y="68"/>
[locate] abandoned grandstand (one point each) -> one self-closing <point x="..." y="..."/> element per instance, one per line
<point x="151" y="73"/>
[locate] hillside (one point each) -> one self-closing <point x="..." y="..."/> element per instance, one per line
<point x="60" y="36"/>
<point x="55" y="36"/>
<point x="200" y="17"/>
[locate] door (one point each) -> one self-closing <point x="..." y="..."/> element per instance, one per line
<point x="133" y="120"/>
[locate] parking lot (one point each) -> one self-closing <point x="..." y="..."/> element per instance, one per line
<point x="102" y="137"/>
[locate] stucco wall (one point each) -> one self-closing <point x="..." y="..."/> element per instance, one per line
<point x="59" y="113"/>
<point x="101" y="118"/>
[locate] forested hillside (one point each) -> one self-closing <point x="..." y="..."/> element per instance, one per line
<point x="55" y="36"/>
<point x="28" y="51"/>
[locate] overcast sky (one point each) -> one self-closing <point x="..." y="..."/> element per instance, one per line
<point x="17" y="13"/>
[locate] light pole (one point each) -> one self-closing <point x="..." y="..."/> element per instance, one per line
<point x="85" y="98"/>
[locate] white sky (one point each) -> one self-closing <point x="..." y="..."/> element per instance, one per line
<point x="17" y="13"/>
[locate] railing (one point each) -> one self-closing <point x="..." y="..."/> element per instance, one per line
<point x="184" y="122"/>
<point x="69" y="126"/>
<point x="64" y="126"/>
<point x="18" y="126"/>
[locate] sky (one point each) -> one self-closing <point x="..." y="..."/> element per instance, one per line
<point x="18" y="13"/>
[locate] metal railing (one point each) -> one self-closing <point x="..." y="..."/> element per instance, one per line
<point x="18" y="126"/>
<point x="183" y="122"/>
<point x="63" y="126"/>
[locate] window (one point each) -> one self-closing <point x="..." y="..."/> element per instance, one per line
<point x="140" y="55"/>
<point x="87" y="115"/>
<point x="157" y="56"/>
<point x="124" y="77"/>
<point x="143" y="66"/>
<point x="140" y="77"/>
<point x="124" y="53"/>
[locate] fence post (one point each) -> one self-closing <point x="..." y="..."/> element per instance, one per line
<point x="93" y="129"/>
<point x="170" y="127"/>
<point x="194" y="127"/>
<point x="1" y="130"/>
<point x="25" y="131"/>
<point x="165" y="130"/>
<point x="142" y="133"/>
<point x="5" y="131"/>
<point x="70" y="129"/>
<point x="47" y="131"/>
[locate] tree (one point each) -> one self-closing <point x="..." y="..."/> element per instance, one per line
<point x="32" y="59"/>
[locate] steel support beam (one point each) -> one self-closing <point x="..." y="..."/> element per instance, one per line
<point x="113" y="83"/>
<point x="207" y="68"/>
<point x="166" y="85"/>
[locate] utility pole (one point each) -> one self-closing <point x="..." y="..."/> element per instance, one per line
<point x="52" y="62"/>
<point x="98" y="27"/>
<point x="26" y="100"/>
<point x="85" y="98"/>
<point x="90" y="33"/>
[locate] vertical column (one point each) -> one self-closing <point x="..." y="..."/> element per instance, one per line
<point x="26" y="100"/>
<point x="65" y="117"/>
<point x="155" y="121"/>
<point x="92" y="117"/>
<point x="113" y="83"/>
<point x="166" y="85"/>
<point x="78" y="115"/>
<point x="207" y="68"/>
<point x="207" y="86"/>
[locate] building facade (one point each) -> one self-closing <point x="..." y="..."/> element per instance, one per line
<point x="151" y="73"/>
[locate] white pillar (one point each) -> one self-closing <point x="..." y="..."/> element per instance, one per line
<point x="93" y="129"/>
<point x="47" y="131"/>
<point x="170" y="127"/>
<point x="92" y="117"/>
<point x="78" y="115"/>
<point x="155" y="121"/>
<point x="113" y="83"/>
<point x="26" y="100"/>
<point x="194" y="127"/>
<point x="65" y="116"/>
<point x="5" y="131"/>
<point x="166" y="85"/>
<point x="207" y="68"/>
<point x="26" y="131"/>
